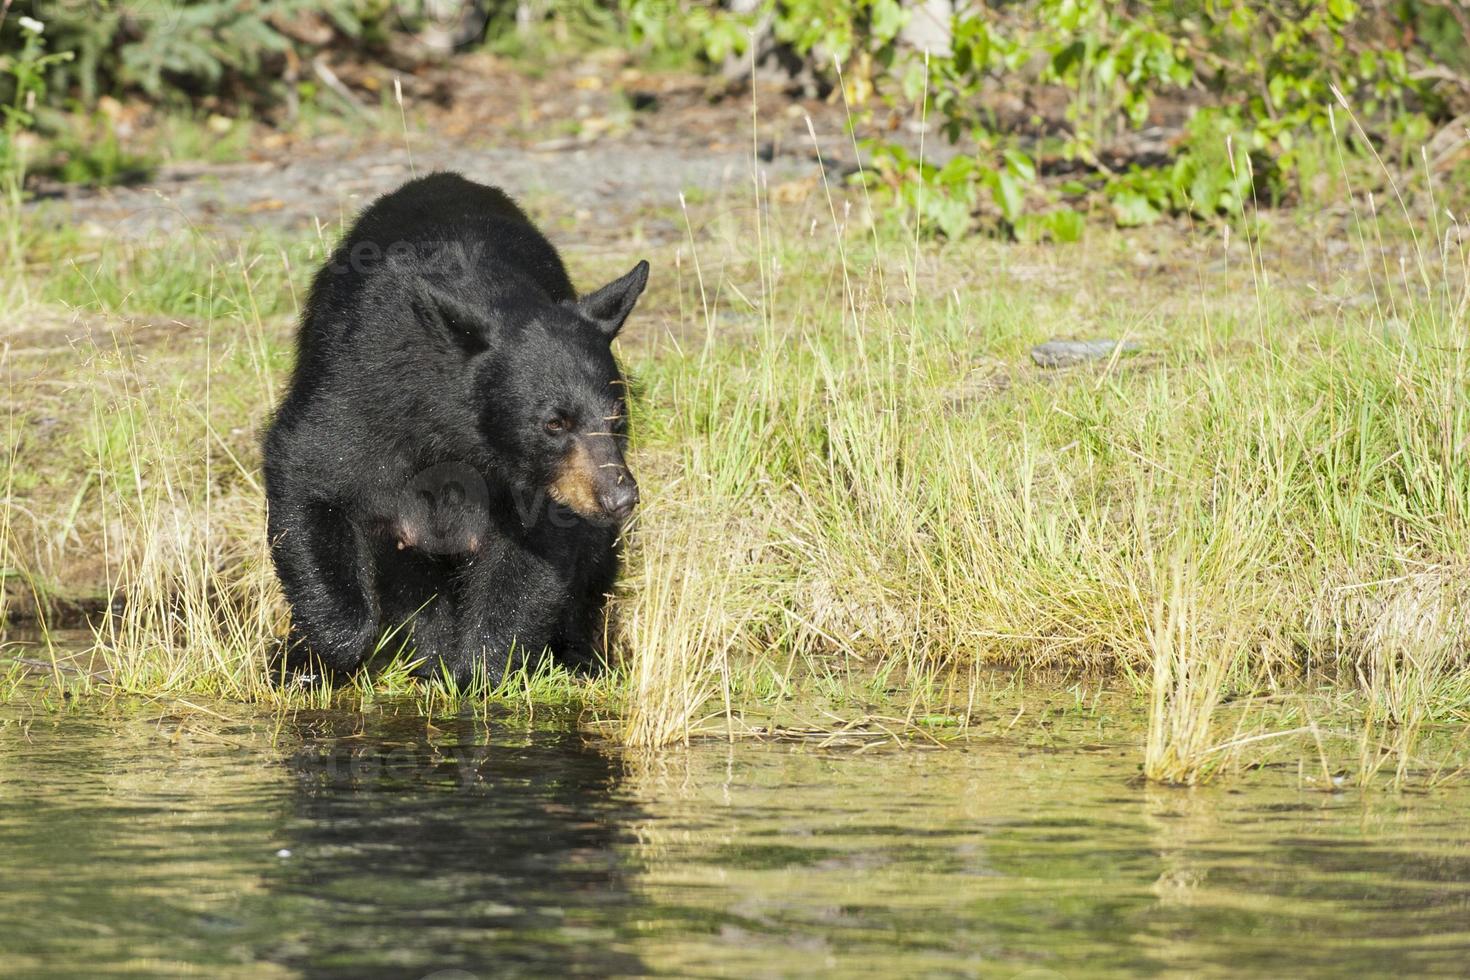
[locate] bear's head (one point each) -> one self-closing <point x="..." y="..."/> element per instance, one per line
<point x="551" y="402"/>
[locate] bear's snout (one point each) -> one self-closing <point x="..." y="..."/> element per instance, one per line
<point x="594" y="481"/>
<point x="618" y="500"/>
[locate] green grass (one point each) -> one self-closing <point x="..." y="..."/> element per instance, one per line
<point x="859" y="492"/>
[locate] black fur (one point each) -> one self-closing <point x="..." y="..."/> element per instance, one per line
<point x="449" y="389"/>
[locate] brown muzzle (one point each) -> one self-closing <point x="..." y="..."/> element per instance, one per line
<point x="594" y="481"/>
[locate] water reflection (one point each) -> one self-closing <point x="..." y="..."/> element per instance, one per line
<point x="125" y="849"/>
<point x="338" y="845"/>
<point x="1010" y="861"/>
<point x="454" y="850"/>
<point x="387" y="849"/>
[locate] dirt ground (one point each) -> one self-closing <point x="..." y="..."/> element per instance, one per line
<point x="600" y="152"/>
<point x="586" y="148"/>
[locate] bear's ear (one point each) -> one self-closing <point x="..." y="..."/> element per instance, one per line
<point x="460" y="320"/>
<point x="609" y="306"/>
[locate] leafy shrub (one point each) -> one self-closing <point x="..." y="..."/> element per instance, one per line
<point x="173" y="50"/>
<point x="1245" y="85"/>
<point x="1264" y="73"/>
<point x="23" y="70"/>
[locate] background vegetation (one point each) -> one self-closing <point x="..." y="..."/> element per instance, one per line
<point x="1139" y="109"/>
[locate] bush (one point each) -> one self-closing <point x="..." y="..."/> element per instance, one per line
<point x="180" y="50"/>
<point x="1265" y="76"/>
<point x="1240" y="89"/>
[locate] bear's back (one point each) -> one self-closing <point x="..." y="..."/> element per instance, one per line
<point x="363" y="338"/>
<point x="441" y="228"/>
<point x="445" y="209"/>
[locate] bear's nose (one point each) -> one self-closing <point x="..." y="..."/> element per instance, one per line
<point x="619" y="500"/>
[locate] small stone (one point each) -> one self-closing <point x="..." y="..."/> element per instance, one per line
<point x="1064" y="353"/>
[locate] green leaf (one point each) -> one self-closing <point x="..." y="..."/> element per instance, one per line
<point x="951" y="215"/>
<point x="888" y="19"/>
<point x="1066" y="225"/>
<point x="1009" y="193"/>
<point x="1130" y="209"/>
<point x="1020" y="164"/>
<point x="959" y="171"/>
<point x="1068" y="58"/>
<point x="1059" y="226"/>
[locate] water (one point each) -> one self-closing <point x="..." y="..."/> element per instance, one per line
<point x="163" y="841"/>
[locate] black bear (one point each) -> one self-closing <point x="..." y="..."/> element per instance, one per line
<point x="449" y="455"/>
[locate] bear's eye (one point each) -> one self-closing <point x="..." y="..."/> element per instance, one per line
<point x="557" y="425"/>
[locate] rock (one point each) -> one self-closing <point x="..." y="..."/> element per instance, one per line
<point x="1065" y="353"/>
<point x="930" y="27"/>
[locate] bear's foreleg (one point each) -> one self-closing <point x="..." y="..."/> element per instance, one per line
<point x="508" y="605"/>
<point x="325" y="565"/>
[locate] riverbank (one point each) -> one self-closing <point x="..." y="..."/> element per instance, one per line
<point x="865" y="488"/>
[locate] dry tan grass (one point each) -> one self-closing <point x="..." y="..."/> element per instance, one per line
<point x="1191" y="659"/>
<point x="1427" y="609"/>
<point x="1402" y="636"/>
<point x="678" y="628"/>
